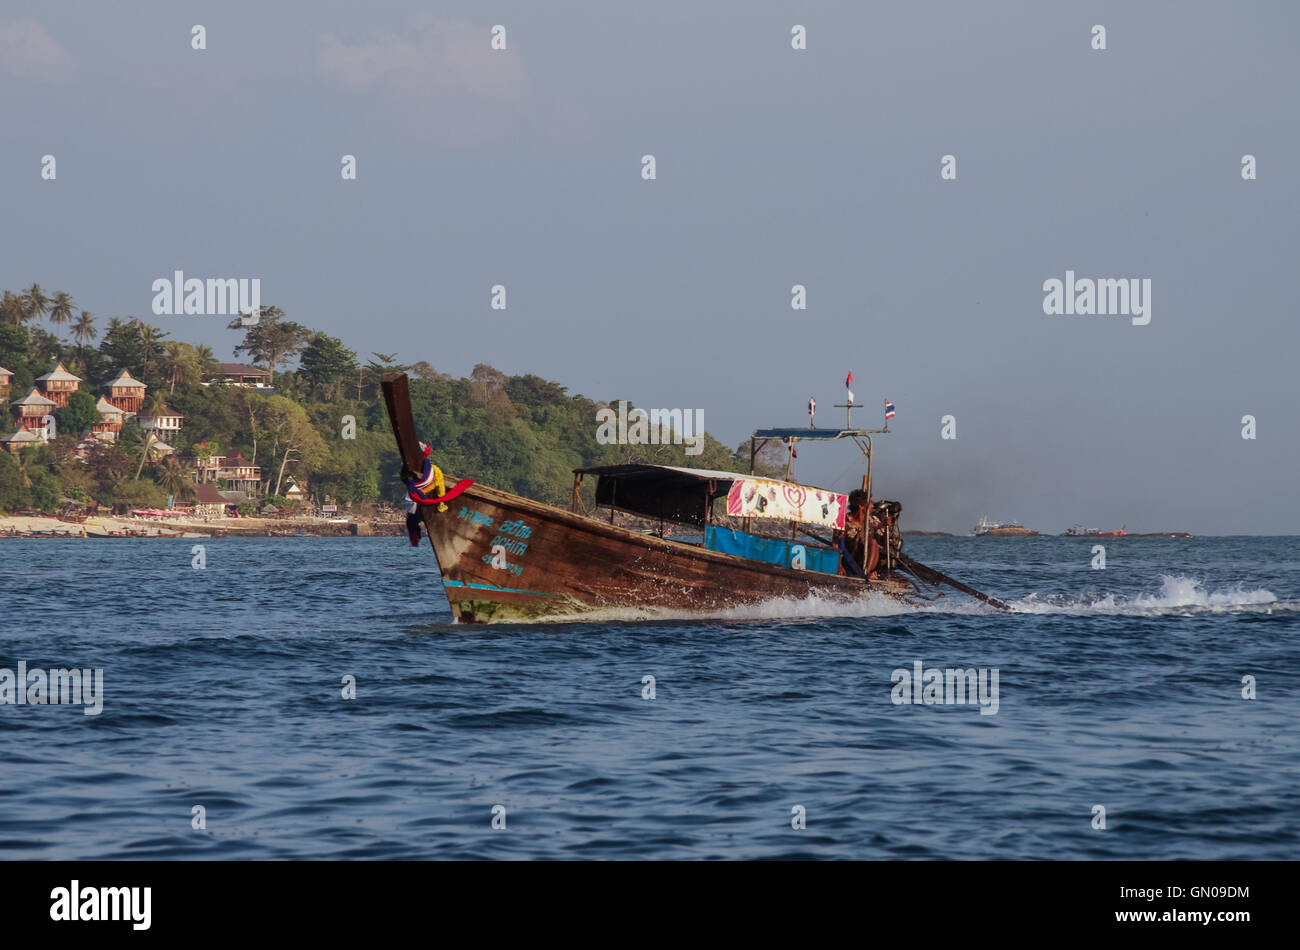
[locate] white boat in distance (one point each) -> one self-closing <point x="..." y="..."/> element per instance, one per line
<point x="985" y="526"/>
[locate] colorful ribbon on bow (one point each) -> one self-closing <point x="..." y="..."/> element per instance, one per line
<point x="417" y="490"/>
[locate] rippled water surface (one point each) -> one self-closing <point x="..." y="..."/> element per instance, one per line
<point x="222" y="688"/>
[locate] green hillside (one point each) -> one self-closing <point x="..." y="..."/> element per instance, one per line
<point x="324" y="425"/>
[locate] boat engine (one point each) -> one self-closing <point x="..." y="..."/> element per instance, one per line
<point x="886" y="533"/>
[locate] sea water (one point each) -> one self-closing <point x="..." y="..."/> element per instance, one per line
<point x="312" y="698"/>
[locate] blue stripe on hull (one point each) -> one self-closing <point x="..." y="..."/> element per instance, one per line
<point x="507" y="590"/>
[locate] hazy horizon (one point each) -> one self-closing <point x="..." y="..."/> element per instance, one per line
<point x="775" y="167"/>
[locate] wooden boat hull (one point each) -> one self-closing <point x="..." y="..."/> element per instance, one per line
<point x="504" y="557"/>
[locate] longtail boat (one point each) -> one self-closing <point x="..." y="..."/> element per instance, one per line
<point x="743" y="539"/>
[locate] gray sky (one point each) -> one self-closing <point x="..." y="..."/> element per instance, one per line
<point x="775" y="167"/>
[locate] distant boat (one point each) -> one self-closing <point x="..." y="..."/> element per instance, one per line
<point x="986" y="527"/>
<point x="1079" y="531"/>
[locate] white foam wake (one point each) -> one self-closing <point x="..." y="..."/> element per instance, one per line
<point x="1177" y="594"/>
<point x="812" y="607"/>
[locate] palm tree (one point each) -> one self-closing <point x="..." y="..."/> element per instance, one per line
<point x="175" y="478"/>
<point x="35" y="302"/>
<point x="150" y="338"/>
<point x="61" y="307"/>
<point x="13" y="308"/>
<point x="83" y="331"/>
<point x="204" y="451"/>
<point x="181" y="362"/>
<point x="206" y="359"/>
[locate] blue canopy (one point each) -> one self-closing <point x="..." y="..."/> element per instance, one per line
<point x="781" y="551"/>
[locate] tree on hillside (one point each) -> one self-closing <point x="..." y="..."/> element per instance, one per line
<point x="206" y="359"/>
<point x="12" y="309"/>
<point x="250" y="404"/>
<point x="423" y="370"/>
<point x="350" y="469"/>
<point x="35" y="303"/>
<point x="174" y="477"/>
<point x="78" y="415"/>
<point x="45" y="348"/>
<point x="181" y="364"/>
<point x="121" y="346"/>
<point x="35" y="474"/>
<point x="138" y="493"/>
<point x="14" y="495"/>
<point x="15" y="342"/>
<point x="328" y="364"/>
<point x="272" y="340"/>
<point x="293" y="438"/>
<point x="109" y="466"/>
<point x="151" y="347"/>
<point x="61" y="307"/>
<point x="488" y="389"/>
<point x="83" y="330"/>
<point x="533" y="391"/>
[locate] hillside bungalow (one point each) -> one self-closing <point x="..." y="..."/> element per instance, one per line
<point x="6" y="380"/>
<point x="58" y="385"/>
<point x="110" y="420"/>
<point x="162" y="422"/>
<point x="235" y="470"/>
<point x="20" y="438"/>
<point x="206" y="467"/>
<point x="238" y="374"/>
<point x="31" y="410"/>
<point x="239" y="473"/>
<point x="126" y="392"/>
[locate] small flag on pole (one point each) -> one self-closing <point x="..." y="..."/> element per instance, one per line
<point x="848" y="384"/>
<point x="812" y="408"/>
<point x="889" y="410"/>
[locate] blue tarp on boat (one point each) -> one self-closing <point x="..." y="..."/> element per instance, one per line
<point x="771" y="550"/>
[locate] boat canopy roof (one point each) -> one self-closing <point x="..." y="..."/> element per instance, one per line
<point x="683" y="495"/>
<point x="680" y="495"/>
<point x="646" y="470"/>
<point x="826" y="435"/>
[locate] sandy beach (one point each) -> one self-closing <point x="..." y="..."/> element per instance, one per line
<point x="114" y="526"/>
<point x="103" y="525"/>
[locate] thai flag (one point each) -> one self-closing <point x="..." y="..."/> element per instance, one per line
<point x="889" y="409"/>
<point x="848" y="384"/>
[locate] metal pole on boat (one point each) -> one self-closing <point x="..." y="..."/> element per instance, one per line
<point x="866" y="479"/>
